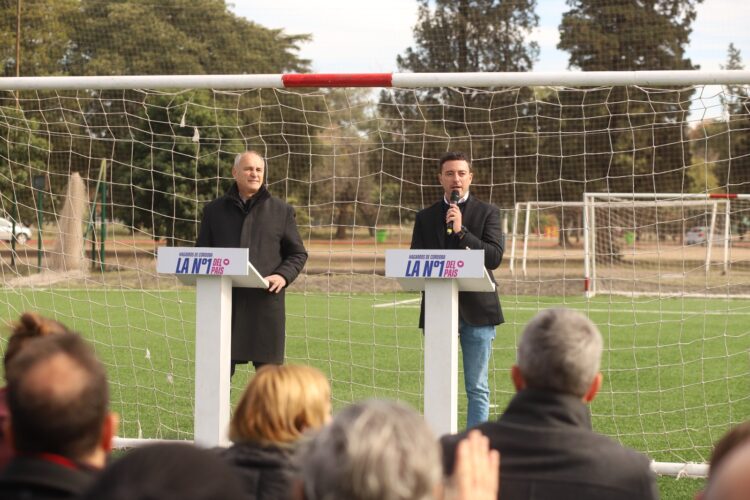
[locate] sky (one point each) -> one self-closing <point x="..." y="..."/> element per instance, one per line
<point x="365" y="36"/>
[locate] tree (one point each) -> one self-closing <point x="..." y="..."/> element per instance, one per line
<point x="176" y="37"/>
<point x="626" y="138"/>
<point x="623" y="35"/>
<point x="23" y="151"/>
<point x="46" y="27"/>
<point x="493" y="125"/>
<point x="345" y="180"/>
<point x="158" y="171"/>
<point x="734" y="172"/>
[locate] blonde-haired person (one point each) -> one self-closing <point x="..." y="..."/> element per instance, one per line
<point x="280" y="403"/>
<point x="29" y="326"/>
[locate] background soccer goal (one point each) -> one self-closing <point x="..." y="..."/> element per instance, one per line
<point x="105" y="170"/>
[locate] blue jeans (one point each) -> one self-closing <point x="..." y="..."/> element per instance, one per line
<point x="476" y="346"/>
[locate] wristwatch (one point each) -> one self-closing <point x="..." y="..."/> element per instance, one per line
<point x="462" y="232"/>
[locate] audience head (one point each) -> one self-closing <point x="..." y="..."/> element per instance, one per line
<point x="735" y="437"/>
<point x="30" y="326"/>
<point x="730" y="480"/>
<point x="560" y="351"/>
<point x="58" y="400"/>
<point x="375" y="450"/>
<point x="167" y="471"/>
<point x="280" y="403"/>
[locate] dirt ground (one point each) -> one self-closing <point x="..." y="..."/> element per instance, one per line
<point x="357" y="266"/>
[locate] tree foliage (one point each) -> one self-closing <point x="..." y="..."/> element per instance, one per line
<point x="625" y="139"/>
<point x="464" y="35"/>
<point x="623" y="35"/>
<point x="733" y="151"/>
<point x="160" y="175"/>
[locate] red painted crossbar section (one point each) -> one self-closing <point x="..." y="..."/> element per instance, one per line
<point x="722" y="196"/>
<point x="337" y="80"/>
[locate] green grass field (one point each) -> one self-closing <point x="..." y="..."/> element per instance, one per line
<point x="676" y="370"/>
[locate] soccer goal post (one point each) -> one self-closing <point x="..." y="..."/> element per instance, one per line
<point x="132" y="161"/>
<point x="660" y="243"/>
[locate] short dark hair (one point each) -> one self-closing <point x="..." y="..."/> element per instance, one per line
<point x="57" y="415"/>
<point x="454" y="156"/>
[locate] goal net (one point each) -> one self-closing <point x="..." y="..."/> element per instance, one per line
<point x="145" y="154"/>
<point x="658" y="245"/>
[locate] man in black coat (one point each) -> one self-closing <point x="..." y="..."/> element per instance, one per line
<point x="472" y="224"/>
<point x="60" y="424"/>
<point x="547" y="446"/>
<point x="247" y="216"/>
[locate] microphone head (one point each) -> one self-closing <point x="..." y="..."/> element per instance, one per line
<point x="455" y="196"/>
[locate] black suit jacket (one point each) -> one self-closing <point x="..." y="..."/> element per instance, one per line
<point x="548" y="450"/>
<point x="482" y="222"/>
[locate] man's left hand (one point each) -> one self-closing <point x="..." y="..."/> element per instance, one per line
<point x="276" y="283"/>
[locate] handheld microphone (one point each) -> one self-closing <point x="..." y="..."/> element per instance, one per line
<point x="454" y="200"/>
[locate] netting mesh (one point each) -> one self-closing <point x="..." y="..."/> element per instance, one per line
<point x="357" y="166"/>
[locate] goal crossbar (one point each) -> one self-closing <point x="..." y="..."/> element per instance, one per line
<point x="403" y="80"/>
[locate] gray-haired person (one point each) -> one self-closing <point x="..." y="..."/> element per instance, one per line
<point x="548" y="447"/>
<point x="383" y="450"/>
<point x="372" y="450"/>
<point x="247" y="216"/>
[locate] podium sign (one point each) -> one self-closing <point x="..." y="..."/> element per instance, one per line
<point x="466" y="266"/>
<point x="214" y="271"/>
<point x="189" y="263"/>
<point x="441" y="274"/>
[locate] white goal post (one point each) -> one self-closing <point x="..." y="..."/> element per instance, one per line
<point x="527" y="209"/>
<point x="660" y="213"/>
<point x="357" y="165"/>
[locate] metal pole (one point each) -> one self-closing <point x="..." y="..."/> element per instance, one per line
<point x="103" y="221"/>
<point x="13" y="236"/>
<point x="18" y="38"/>
<point x="39" y="220"/>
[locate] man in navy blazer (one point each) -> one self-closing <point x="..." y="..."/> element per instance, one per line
<point x="461" y="221"/>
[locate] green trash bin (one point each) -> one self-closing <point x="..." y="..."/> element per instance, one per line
<point x="629" y="238"/>
<point x="381" y="235"/>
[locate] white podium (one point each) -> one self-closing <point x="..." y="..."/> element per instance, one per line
<point x="441" y="274"/>
<point x="213" y="271"/>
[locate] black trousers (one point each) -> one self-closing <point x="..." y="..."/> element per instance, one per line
<point x="256" y="365"/>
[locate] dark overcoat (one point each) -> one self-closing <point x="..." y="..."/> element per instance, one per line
<point x="269" y="231"/>
<point x="38" y="479"/>
<point x="549" y="450"/>
<point x="483" y="232"/>
<point x="266" y="471"/>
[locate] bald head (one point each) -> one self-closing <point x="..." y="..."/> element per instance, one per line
<point x="731" y="480"/>
<point x="248" y="171"/>
<point x="57" y="397"/>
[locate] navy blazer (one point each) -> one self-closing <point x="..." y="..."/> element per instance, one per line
<point x="482" y="222"/>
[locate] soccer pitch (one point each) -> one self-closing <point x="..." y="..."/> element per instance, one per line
<point x="676" y="370"/>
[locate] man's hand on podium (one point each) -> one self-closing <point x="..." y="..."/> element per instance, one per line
<point x="276" y="283"/>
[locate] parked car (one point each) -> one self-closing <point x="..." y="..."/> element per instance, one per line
<point x="696" y="235"/>
<point x="23" y="233"/>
